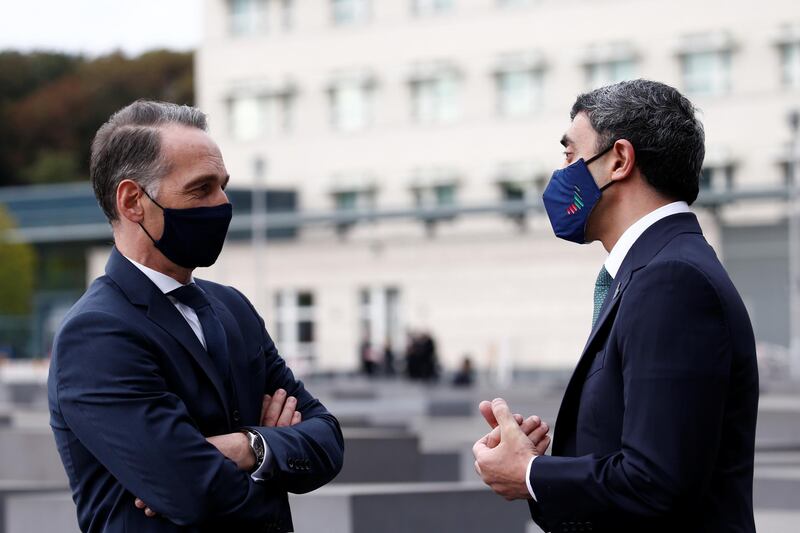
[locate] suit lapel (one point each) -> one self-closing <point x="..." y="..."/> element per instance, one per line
<point x="237" y="351"/>
<point x="142" y="292"/>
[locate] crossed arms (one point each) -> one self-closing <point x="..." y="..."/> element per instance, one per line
<point x="116" y="400"/>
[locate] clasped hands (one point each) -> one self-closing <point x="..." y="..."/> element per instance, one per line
<point x="279" y="410"/>
<point x="503" y="454"/>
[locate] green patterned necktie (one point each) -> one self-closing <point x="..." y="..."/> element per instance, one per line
<point x="601" y="287"/>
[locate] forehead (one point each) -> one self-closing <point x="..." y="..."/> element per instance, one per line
<point x="190" y="150"/>
<point x="580" y="133"/>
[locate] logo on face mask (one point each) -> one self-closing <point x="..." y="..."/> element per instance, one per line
<point x="577" y="202"/>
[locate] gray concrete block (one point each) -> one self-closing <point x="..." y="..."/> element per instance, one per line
<point x="380" y="455"/>
<point x="440" y="466"/>
<point x="27" y="394"/>
<point x="401" y="508"/>
<point x="40" y="513"/>
<point x="30" y="454"/>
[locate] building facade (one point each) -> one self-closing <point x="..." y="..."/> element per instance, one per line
<point x="367" y="106"/>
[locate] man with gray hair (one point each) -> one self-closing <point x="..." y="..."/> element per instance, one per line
<point x="170" y="406"/>
<point x="656" y="430"/>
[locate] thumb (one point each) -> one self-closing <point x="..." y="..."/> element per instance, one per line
<point x="504" y="417"/>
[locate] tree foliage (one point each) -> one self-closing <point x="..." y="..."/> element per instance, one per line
<point x="52" y="104"/>
<point x="17" y="271"/>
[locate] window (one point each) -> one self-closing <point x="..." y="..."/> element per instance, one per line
<point x="445" y="195"/>
<point x="255" y="115"/>
<point x="350" y="12"/>
<point x="351" y="104"/>
<point x="295" y="324"/>
<point x="790" y="65"/>
<point x="434" y="187"/>
<point x="520" y="182"/>
<point x="717" y="178"/>
<point x="519" y="92"/>
<point x="706" y="73"/>
<point x="352" y="193"/>
<point x="254" y="17"/>
<point x="435" y="97"/>
<point x="608" y="72"/>
<point x="424" y="8"/>
<point x="435" y="196"/>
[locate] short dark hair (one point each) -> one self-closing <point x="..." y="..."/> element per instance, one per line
<point x="662" y="125"/>
<point x="128" y="146"/>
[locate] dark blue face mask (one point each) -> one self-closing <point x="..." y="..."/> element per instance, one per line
<point x="193" y="237"/>
<point x="570" y="197"/>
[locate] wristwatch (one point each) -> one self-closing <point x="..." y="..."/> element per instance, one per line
<point x="257" y="445"/>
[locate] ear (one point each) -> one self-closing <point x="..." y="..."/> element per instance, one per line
<point x="624" y="160"/>
<point x="129" y="205"/>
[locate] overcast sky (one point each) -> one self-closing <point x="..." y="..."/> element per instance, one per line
<point x="96" y="27"/>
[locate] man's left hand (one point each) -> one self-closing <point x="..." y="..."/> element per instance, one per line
<point x="503" y="454"/>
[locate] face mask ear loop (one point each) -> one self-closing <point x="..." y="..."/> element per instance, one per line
<point x="595" y="157"/>
<point x="151" y="199"/>
<point x="140" y="224"/>
<point x="607" y="185"/>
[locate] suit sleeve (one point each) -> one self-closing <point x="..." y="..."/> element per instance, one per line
<point x="115" y="400"/>
<point x="310" y="454"/>
<point x="676" y="351"/>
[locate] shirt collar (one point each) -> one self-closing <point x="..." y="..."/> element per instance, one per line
<point x="632" y="234"/>
<point x="165" y="283"/>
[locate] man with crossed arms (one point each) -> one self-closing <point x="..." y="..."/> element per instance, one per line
<point x="171" y="408"/>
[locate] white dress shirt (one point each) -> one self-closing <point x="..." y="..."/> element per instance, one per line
<point x="617" y="256"/>
<point x="167" y="284"/>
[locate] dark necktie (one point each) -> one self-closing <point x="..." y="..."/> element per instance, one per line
<point x="216" y="341"/>
<point x="601" y="287"/>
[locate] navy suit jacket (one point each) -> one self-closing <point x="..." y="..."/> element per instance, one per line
<point x="133" y="396"/>
<point x="656" y="431"/>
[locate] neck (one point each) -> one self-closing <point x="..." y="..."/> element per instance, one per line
<point x="144" y="253"/>
<point x="626" y="214"/>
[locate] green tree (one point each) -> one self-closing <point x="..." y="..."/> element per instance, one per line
<point x="17" y="265"/>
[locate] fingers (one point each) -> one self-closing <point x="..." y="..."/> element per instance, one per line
<point x="264" y="405"/>
<point x="539" y="433"/>
<point x="275" y="408"/>
<point x="287" y="414"/>
<point x="529" y="424"/>
<point x="493" y="438"/>
<point x="541" y="448"/>
<point x="297" y="418"/>
<point x="503" y="416"/>
<point x="141" y="505"/>
<point x="485" y="408"/>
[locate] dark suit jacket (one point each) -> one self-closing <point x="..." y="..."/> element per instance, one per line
<point x="133" y="395"/>
<point x="656" y="431"/>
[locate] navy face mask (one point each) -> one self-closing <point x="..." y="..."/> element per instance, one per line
<point x="193" y="237"/>
<point x="570" y="197"/>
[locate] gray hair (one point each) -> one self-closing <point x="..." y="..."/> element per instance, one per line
<point x="662" y="125"/>
<point x="128" y="146"/>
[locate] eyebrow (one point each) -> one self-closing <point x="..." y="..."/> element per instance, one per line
<point x="565" y="141"/>
<point x="203" y="179"/>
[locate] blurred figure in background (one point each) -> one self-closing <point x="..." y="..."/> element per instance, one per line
<point x="465" y="376"/>
<point x="367" y="357"/>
